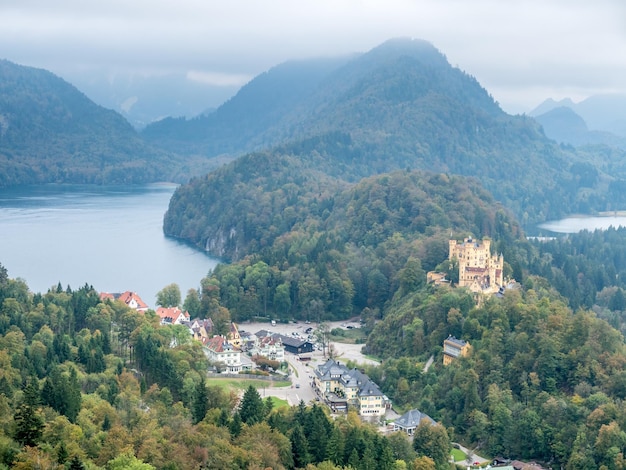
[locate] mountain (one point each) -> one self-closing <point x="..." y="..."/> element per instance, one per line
<point x="51" y="132"/>
<point x="399" y="106"/>
<point x="606" y="112"/>
<point x="245" y="121"/>
<point x="564" y="125"/>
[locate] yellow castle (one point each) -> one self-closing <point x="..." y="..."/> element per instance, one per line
<point x="479" y="271"/>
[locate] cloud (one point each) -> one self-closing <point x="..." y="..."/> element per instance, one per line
<point x="219" y="79"/>
<point x="517" y="47"/>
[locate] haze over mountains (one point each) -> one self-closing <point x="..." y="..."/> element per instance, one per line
<point x="599" y="119"/>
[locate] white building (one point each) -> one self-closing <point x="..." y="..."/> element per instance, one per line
<point x="270" y="347"/>
<point x="218" y="349"/>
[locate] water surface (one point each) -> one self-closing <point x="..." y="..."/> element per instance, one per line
<point x="580" y="223"/>
<point x="110" y="237"/>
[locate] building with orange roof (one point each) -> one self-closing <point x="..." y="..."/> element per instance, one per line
<point x="172" y="315"/>
<point x="131" y="299"/>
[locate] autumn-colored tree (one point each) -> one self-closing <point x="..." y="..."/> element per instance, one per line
<point x="431" y="440"/>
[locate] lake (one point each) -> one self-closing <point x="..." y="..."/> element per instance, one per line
<point x="577" y="224"/>
<point x="110" y="237"/>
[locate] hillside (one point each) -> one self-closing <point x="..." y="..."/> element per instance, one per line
<point x="244" y="207"/>
<point x="51" y="132"/>
<point x="240" y="124"/>
<point x="398" y="106"/>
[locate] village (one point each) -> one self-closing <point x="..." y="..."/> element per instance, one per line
<point x="318" y="377"/>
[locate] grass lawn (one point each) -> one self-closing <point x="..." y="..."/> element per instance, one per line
<point x="349" y="336"/>
<point x="279" y="402"/>
<point x="243" y="384"/>
<point x="458" y="455"/>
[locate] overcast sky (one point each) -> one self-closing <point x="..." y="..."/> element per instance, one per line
<point x="521" y="51"/>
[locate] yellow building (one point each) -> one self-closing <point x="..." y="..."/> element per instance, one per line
<point x="453" y="348"/>
<point x="479" y="271"/>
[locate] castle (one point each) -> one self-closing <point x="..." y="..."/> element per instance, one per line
<point x="479" y="271"/>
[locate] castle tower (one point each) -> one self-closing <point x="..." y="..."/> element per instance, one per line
<point x="478" y="269"/>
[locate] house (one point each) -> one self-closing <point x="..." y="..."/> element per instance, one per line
<point x="479" y="271"/>
<point x="131" y="299"/>
<point x="172" y="315"/>
<point x="199" y="329"/>
<point x="342" y="387"/>
<point x="410" y="420"/>
<point x="219" y="350"/>
<point x="453" y="348"/>
<point x="292" y="345"/>
<point x="270" y="347"/>
<point x="296" y="345"/>
<point x="233" y="335"/>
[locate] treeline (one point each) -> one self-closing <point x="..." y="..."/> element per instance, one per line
<point x="330" y="255"/>
<point x="581" y="265"/>
<point x="86" y="384"/>
<point x="541" y="382"/>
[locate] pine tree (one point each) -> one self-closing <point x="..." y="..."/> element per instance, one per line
<point x="62" y="454"/>
<point x="317" y="433"/>
<point x="28" y="420"/>
<point x="252" y="409"/>
<point x="354" y="460"/>
<point x="334" y="448"/>
<point x="76" y="464"/>
<point x="299" y="447"/>
<point x="235" y="425"/>
<point x="73" y="396"/>
<point x="200" y="402"/>
<point x="224" y="418"/>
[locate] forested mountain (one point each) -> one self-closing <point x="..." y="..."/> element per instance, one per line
<point x="605" y="112"/>
<point x="400" y="106"/>
<point x="246" y="121"/>
<point x="315" y="247"/>
<point x="51" y="132"/>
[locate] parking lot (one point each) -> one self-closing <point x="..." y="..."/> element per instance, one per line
<point x="302" y="371"/>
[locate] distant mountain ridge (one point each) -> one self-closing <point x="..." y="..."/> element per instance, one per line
<point x="51" y="132"/>
<point x="564" y="125"/>
<point x="605" y="113"/>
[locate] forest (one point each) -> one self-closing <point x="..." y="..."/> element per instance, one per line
<point x="547" y="357"/>
<point x="551" y="348"/>
<point x="89" y="385"/>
